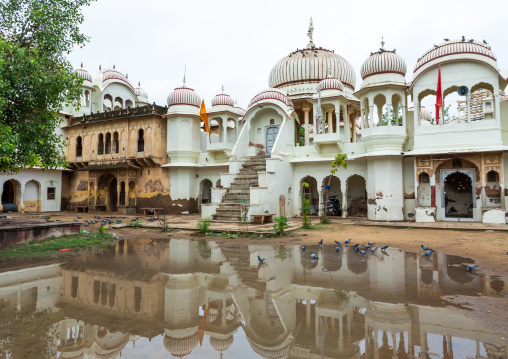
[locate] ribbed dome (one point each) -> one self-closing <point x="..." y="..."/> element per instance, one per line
<point x="111" y="74"/>
<point x="311" y="65"/>
<point x="85" y="75"/>
<point x="273" y="94"/>
<point x="222" y="99"/>
<point x="184" y="96"/>
<point x="456" y="47"/>
<point x="221" y="344"/>
<point x="330" y="84"/>
<point x="382" y="62"/>
<point x="425" y="114"/>
<point x="180" y="347"/>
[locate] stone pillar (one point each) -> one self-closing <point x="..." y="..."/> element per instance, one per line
<point x="403" y="109"/>
<point x="346" y="125"/>
<point x="341" y="333"/>
<point x="344" y="204"/>
<point x="224" y="130"/>
<point x="118" y="190"/>
<point x="306" y="111"/>
<point x="416" y="112"/>
<point x="321" y="205"/>
<point x="21" y="194"/>
<point x="353" y="128"/>
<point x="371" y="116"/>
<point x="337" y="121"/>
<point x="389" y="114"/>
<point x="307" y="313"/>
<point x="330" y="121"/>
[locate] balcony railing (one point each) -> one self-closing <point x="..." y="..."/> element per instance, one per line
<point x="126" y="112"/>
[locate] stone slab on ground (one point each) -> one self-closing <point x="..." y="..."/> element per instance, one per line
<point x="469" y="226"/>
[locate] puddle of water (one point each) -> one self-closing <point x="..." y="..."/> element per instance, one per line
<point x="181" y="298"/>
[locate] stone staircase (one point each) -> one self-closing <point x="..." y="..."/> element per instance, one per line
<point x="238" y="194"/>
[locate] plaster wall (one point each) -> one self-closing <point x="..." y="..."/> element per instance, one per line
<point x="43" y="179"/>
<point x="119" y="90"/>
<point x="385" y="188"/>
<point x="260" y="122"/>
<point x="409" y="188"/>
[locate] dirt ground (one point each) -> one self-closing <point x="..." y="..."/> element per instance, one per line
<point x="485" y="247"/>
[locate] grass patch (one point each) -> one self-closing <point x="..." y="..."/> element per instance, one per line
<point x="50" y="247"/>
<point x="323" y="227"/>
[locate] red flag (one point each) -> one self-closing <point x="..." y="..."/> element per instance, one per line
<point x="439" y="95"/>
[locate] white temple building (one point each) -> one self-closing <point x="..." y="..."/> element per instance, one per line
<point x="401" y="165"/>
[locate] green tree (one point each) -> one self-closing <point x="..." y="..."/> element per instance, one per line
<point x="340" y="160"/>
<point x="36" y="79"/>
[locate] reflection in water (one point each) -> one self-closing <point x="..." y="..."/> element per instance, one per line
<point x="208" y="299"/>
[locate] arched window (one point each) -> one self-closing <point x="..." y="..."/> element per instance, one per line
<point x="100" y="145"/>
<point x="79" y="147"/>
<point x="108" y="143"/>
<point x="141" y="140"/>
<point x="118" y="105"/>
<point x="108" y="103"/>
<point x="116" y="143"/>
<point x="128" y="104"/>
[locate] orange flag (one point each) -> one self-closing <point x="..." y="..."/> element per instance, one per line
<point x="204" y="117"/>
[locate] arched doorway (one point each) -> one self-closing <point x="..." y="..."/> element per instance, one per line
<point x="310" y="193"/>
<point x="205" y="193"/>
<point x="10" y="196"/>
<point x="356" y="196"/>
<point x="458" y="197"/>
<point x="113" y="195"/>
<point x="31" y="199"/>
<point x="331" y="185"/>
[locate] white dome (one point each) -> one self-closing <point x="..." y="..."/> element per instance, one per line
<point x="107" y="76"/>
<point x="140" y="92"/>
<point x="221" y="344"/>
<point x="223" y="99"/>
<point x="382" y="62"/>
<point x="425" y="114"/>
<point x="459" y="49"/>
<point x="180" y="347"/>
<point x="272" y="94"/>
<point x="184" y="96"/>
<point x="85" y="75"/>
<point x="330" y="83"/>
<point x="311" y="65"/>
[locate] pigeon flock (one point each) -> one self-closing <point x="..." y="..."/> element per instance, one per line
<point x="371" y="248"/>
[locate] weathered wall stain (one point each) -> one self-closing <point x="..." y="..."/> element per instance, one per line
<point x="154" y="186"/>
<point x="82" y="185"/>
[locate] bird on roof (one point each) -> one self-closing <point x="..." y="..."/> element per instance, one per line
<point x="463" y="38"/>
<point x="371" y="53"/>
<point x="446" y="39"/>
<point x="485" y="42"/>
<point x="261" y="259"/>
<point x="436" y="45"/>
<point x="472" y="40"/>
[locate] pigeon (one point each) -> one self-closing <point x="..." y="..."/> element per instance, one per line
<point x="133" y="220"/>
<point x="356" y="249"/>
<point x="446" y="39"/>
<point x="436" y="46"/>
<point x="428" y="253"/>
<point x="313" y="256"/>
<point x="347" y="241"/>
<point x="485" y="42"/>
<point x="370" y="243"/>
<point x="75" y="220"/>
<point x="321" y="241"/>
<point x="384" y="247"/>
<point x="362" y="251"/>
<point x="78" y="217"/>
<point x="338" y="243"/>
<point x="425" y="248"/>
<point x="98" y="217"/>
<point x="337" y="249"/>
<point x="355" y="245"/>
<point x="366" y="246"/>
<point x="303" y="248"/>
<point x="463" y="38"/>
<point x="373" y="249"/>
<point x="472" y="40"/>
<point x="471" y="267"/>
<point x="260" y="259"/>
<point x="118" y="221"/>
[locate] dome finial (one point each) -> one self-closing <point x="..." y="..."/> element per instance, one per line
<point x="81" y="64"/>
<point x="100" y="67"/>
<point x="222" y="88"/>
<point x="310" y="33"/>
<point x="114" y="67"/>
<point x="329" y="72"/>
<point x="139" y="83"/>
<point x="382" y="42"/>
<point x="184" y="80"/>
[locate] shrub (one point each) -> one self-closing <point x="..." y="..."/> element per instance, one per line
<point x="204" y="225"/>
<point x="281" y="224"/>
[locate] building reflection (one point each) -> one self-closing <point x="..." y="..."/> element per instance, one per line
<point x="344" y="305"/>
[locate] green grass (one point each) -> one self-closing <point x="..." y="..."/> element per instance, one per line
<point x="323" y="227"/>
<point x="50" y="247"/>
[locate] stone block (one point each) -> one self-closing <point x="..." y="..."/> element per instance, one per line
<point x="425" y="214"/>
<point x="494" y="216"/>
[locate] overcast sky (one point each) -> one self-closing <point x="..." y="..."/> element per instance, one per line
<point x="236" y="43"/>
